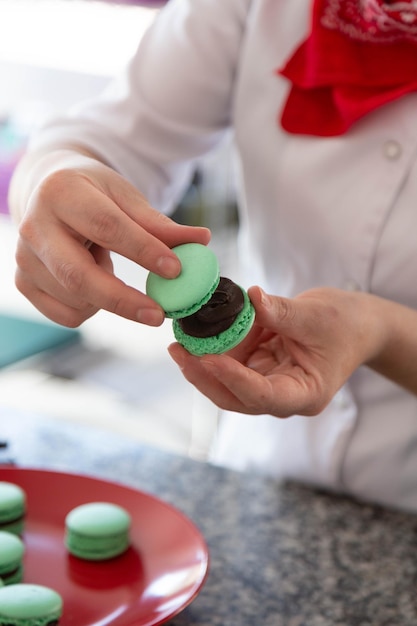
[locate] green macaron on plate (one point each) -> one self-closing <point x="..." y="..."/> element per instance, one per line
<point x="12" y="507"/>
<point x="30" y="605"/>
<point x="110" y="577"/>
<point x="211" y="314"/>
<point x="12" y="550"/>
<point x="97" y="531"/>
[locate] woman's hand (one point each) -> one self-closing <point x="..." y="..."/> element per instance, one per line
<point x="300" y="352"/>
<point x="76" y="212"/>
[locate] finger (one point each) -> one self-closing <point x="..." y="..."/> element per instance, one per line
<point x="273" y="312"/>
<point x="53" y="290"/>
<point x="234" y="387"/>
<point x="54" y="309"/>
<point x="280" y="394"/>
<point x="244" y="350"/>
<point x="36" y="283"/>
<point x="134" y="230"/>
<point x="252" y="390"/>
<point x="207" y="384"/>
<point x="32" y="276"/>
<point x="97" y="218"/>
<point x="75" y="269"/>
<point x="229" y="384"/>
<point x="135" y="205"/>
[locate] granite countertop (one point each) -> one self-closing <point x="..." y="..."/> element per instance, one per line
<point x="281" y="555"/>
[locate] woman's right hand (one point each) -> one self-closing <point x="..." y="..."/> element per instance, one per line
<point x="75" y="212"/>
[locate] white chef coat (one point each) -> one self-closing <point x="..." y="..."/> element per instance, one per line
<point x="338" y="212"/>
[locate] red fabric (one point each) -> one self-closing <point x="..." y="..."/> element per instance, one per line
<point x="360" y="55"/>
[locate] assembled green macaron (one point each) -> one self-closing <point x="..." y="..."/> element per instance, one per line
<point x="97" y="531"/>
<point x="211" y="314"/>
<point x="12" y="550"/>
<point x="12" y="507"/>
<point x="29" y="605"/>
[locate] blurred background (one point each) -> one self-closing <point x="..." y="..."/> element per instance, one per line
<point x="111" y="373"/>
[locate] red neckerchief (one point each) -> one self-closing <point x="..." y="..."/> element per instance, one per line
<point x="359" y="55"/>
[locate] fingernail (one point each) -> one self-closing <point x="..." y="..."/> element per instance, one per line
<point x="168" y="266"/>
<point x="178" y="357"/>
<point x="206" y="232"/>
<point x="150" y="317"/>
<point x="265" y="299"/>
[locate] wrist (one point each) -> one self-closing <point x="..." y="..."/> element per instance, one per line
<point x="395" y="351"/>
<point x="377" y="326"/>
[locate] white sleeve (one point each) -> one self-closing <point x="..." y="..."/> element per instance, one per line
<point x="173" y="103"/>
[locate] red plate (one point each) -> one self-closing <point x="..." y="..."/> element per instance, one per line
<point x="160" y="574"/>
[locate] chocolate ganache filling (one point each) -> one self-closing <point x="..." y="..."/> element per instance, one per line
<point x="218" y="314"/>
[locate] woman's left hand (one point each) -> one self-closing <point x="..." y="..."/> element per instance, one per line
<point x="296" y="357"/>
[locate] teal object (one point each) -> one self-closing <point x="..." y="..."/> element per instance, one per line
<point x="12" y="503"/>
<point x="188" y="292"/>
<point x="97" y="531"/>
<point x="12" y="550"/>
<point x="29" y="605"/>
<point x="224" y="341"/>
<point x="22" y="337"/>
<point x="194" y="287"/>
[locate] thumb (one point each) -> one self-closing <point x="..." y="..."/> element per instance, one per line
<point x="274" y="312"/>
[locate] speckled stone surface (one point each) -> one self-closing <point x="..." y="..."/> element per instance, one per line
<point x="281" y="555"/>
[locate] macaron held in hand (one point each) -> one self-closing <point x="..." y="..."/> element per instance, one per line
<point x="211" y="314"/>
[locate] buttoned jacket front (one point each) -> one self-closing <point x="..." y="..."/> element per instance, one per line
<point x="338" y="212"/>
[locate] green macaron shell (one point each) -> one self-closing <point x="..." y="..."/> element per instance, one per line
<point x="16" y="528"/>
<point x="12" y="502"/>
<point x="97" y="531"/>
<point x="95" y="549"/>
<point x="224" y="341"/>
<point x="192" y="288"/>
<point x="11" y="554"/>
<point x="29" y="605"/>
<point x="13" y="578"/>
